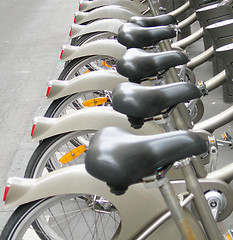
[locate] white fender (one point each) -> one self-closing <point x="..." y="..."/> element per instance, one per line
<point x="104" y="12"/>
<point x="99" y="47"/>
<point x="93" y="118"/>
<point x="131" y="5"/>
<point x="92" y="81"/>
<point x="103" y="25"/>
<point x="138" y="206"/>
<point x="98" y="80"/>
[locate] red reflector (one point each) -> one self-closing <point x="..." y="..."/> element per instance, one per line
<point x="79" y="8"/>
<point x="70" y="31"/>
<point x="48" y="91"/>
<point x="61" y="53"/>
<point x="75" y="18"/>
<point x="5" y="193"/>
<point x="33" y="128"/>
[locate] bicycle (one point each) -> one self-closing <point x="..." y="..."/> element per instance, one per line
<point x="156" y="216"/>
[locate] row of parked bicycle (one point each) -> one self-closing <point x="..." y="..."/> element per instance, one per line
<point x="122" y="152"/>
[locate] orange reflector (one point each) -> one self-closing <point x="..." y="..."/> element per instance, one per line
<point x="73" y="154"/>
<point x="106" y="65"/>
<point x="95" y="102"/>
<point x="5" y="193"/>
<point x="33" y="128"/>
<point x="87" y="71"/>
<point x="228" y="237"/>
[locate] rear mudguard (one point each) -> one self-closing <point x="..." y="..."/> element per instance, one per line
<point x="103" y="25"/>
<point x="93" y="118"/>
<point x="131" y="5"/>
<point x="137" y="207"/>
<point x="106" y="12"/>
<point x="93" y="81"/>
<point x="109" y="48"/>
<point x="98" y="80"/>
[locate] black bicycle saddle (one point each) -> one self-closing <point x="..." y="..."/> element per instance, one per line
<point x="161" y="20"/>
<point x="134" y="36"/>
<point x="121" y="158"/>
<point x="139" y="102"/>
<point x="137" y="64"/>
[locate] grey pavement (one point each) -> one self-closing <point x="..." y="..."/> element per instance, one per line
<point x="32" y="33"/>
<point x="31" y="36"/>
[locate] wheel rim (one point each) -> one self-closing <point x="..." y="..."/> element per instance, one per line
<point x="75" y="102"/>
<point x="94" y="63"/>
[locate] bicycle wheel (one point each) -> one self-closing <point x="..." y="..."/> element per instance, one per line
<point x="73" y="216"/>
<point x="76" y="101"/>
<point x="57" y="152"/>
<point x="84" y="65"/>
<point x="78" y="41"/>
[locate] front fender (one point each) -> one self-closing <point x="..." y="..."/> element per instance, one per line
<point x="75" y="179"/>
<point x="103" y="25"/>
<point x="104" y="12"/>
<point x="131" y="5"/>
<point x="99" y="47"/>
<point x="93" y="118"/>
<point x="98" y="80"/>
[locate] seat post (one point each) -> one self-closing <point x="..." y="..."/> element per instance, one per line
<point x="176" y="210"/>
<point x="199" y="200"/>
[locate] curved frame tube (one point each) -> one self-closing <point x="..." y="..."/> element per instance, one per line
<point x="180" y="10"/>
<point x="187" y="21"/>
<point x="216" y="81"/>
<point x="189" y="40"/>
<point x="201" y="58"/>
<point x="215" y="122"/>
<point x="225" y="174"/>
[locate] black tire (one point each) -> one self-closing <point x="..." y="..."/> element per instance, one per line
<point x="55" y="105"/>
<point x="38" y="153"/>
<point x="68" y="68"/>
<point x="16" y="218"/>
